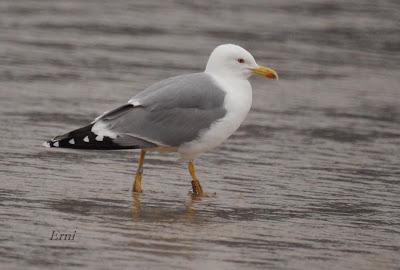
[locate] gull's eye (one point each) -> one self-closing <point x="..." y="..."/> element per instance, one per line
<point x="241" y="60"/>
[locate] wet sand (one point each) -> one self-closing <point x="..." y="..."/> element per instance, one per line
<point x="310" y="180"/>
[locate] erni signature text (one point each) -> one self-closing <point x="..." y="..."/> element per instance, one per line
<point x="57" y="235"/>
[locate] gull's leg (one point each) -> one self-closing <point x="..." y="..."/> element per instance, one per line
<point x="136" y="207"/>
<point x="137" y="185"/>
<point x="197" y="189"/>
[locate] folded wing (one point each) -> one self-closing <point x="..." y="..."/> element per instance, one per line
<point x="169" y="113"/>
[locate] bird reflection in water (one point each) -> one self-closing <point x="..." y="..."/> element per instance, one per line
<point x="184" y="215"/>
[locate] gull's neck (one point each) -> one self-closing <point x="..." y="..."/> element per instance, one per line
<point x="225" y="75"/>
<point x="230" y="83"/>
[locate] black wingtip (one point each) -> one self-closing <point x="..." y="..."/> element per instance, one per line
<point x="52" y="143"/>
<point x="84" y="138"/>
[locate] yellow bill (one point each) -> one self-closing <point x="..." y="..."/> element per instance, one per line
<point x="266" y="71"/>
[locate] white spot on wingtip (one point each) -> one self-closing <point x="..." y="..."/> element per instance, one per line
<point x="46" y="144"/>
<point x="56" y="144"/>
<point x="86" y="139"/>
<point x="72" y="141"/>
<point x="99" y="138"/>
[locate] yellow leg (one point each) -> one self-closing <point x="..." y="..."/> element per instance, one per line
<point x="197" y="189"/>
<point x="136" y="207"/>
<point x="137" y="185"/>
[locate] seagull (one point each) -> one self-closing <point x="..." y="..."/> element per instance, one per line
<point x="188" y="114"/>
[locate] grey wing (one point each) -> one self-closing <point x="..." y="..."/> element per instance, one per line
<point x="169" y="113"/>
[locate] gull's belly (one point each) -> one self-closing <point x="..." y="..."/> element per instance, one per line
<point x="237" y="103"/>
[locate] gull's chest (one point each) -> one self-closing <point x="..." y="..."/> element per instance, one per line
<point x="238" y="101"/>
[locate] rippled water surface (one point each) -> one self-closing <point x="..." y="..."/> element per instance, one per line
<point x="310" y="180"/>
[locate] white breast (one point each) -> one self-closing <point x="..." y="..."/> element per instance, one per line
<point x="237" y="103"/>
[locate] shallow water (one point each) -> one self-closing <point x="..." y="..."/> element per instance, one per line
<point x="310" y="181"/>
